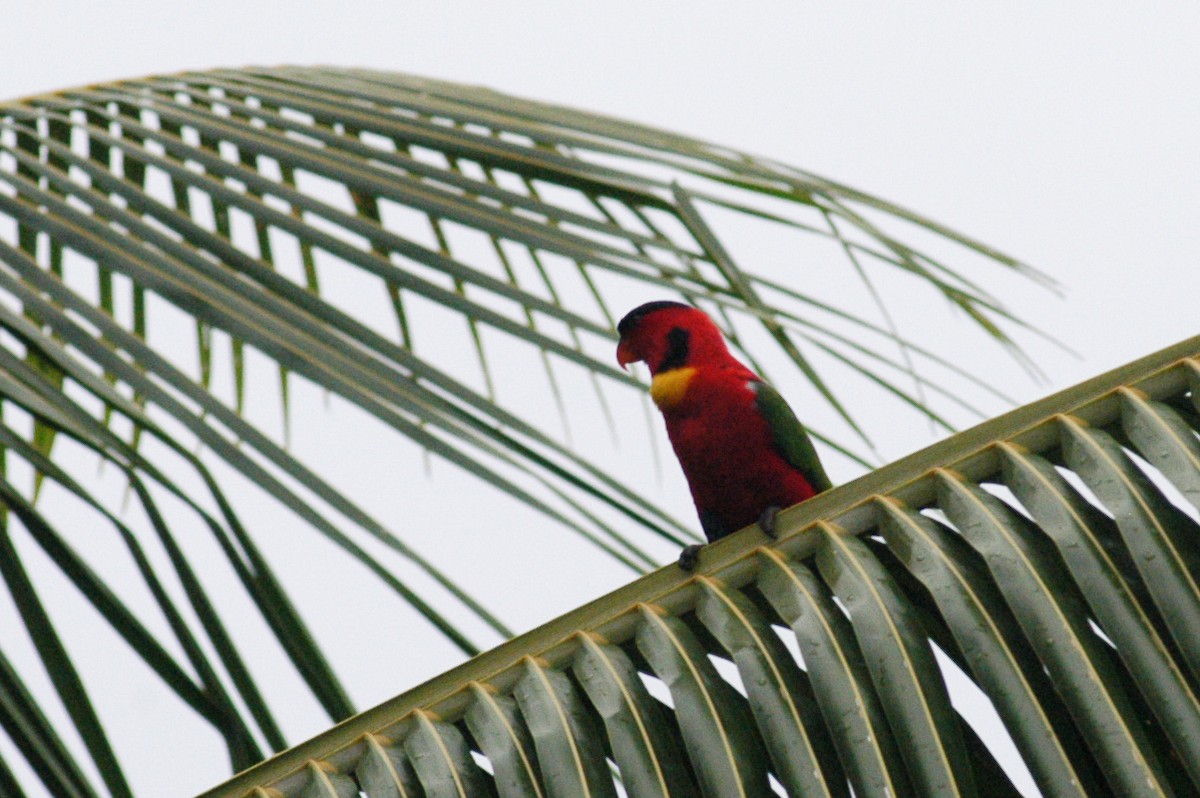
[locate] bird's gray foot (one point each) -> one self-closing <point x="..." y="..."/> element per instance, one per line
<point x="766" y="521"/>
<point x="689" y="558"/>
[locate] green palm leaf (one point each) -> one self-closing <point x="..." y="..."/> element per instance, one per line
<point x="1095" y="690"/>
<point x="157" y="236"/>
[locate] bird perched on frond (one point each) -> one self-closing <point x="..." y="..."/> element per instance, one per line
<point x="744" y="453"/>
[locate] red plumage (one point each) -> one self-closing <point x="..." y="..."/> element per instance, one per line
<point x="727" y="451"/>
<point x="729" y="448"/>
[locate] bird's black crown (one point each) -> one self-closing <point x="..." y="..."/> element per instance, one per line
<point x="634" y="316"/>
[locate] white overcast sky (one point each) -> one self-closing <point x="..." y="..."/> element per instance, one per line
<point x="1067" y="134"/>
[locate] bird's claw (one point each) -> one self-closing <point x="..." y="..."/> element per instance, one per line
<point x="689" y="558"/>
<point x="766" y="522"/>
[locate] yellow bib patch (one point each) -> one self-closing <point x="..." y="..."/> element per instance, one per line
<point x="668" y="388"/>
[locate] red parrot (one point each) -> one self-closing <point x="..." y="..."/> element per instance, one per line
<point x="742" y="449"/>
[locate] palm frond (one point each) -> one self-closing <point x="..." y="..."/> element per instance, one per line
<point x="1048" y="554"/>
<point x="158" y="235"/>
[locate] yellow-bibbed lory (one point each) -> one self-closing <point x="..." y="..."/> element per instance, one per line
<point x="743" y="451"/>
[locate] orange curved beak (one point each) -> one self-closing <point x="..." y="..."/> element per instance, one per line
<point x="625" y="354"/>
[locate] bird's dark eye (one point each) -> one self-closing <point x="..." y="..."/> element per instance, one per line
<point x="678" y="344"/>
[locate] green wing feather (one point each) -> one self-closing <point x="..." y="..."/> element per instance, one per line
<point x="790" y="437"/>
